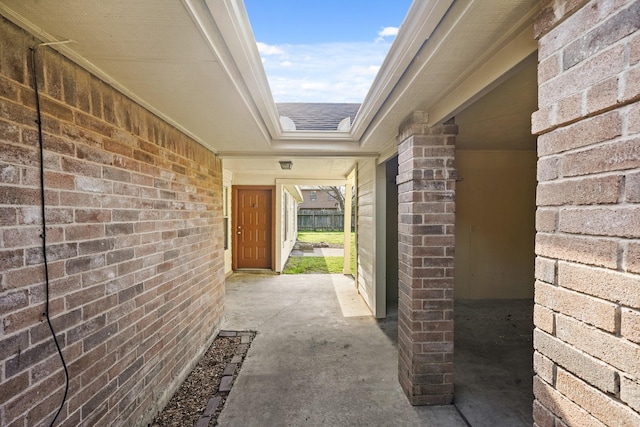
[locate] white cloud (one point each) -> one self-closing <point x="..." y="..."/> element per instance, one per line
<point x="387" y="32"/>
<point x="332" y="72"/>
<point x="268" y="50"/>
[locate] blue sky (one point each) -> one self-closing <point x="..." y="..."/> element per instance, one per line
<point x="323" y="50"/>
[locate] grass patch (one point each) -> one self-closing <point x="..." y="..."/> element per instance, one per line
<point x="312" y="264"/>
<point x="331" y="237"/>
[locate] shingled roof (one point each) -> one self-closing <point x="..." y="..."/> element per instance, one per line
<point x="317" y="116"/>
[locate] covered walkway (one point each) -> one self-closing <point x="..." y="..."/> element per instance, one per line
<point x="318" y="358"/>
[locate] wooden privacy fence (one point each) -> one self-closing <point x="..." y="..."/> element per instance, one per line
<point x="322" y="222"/>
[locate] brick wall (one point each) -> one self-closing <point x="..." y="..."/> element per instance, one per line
<point x="426" y="241"/>
<point x="135" y="247"/>
<point x="587" y="293"/>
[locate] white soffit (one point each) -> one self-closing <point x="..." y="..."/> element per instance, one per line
<point x="155" y="52"/>
<point x="475" y="46"/>
<point x="196" y="65"/>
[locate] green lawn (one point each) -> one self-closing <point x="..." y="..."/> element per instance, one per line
<point x="331" y="237"/>
<point x="305" y="265"/>
<point x="312" y="264"/>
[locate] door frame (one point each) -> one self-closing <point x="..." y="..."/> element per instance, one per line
<point x="235" y="189"/>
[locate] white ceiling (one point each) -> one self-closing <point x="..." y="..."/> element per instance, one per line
<point x="195" y="64"/>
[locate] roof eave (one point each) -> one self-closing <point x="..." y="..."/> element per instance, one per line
<point x="233" y="24"/>
<point x="421" y="21"/>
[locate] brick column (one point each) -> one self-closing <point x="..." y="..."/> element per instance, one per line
<point x="587" y="310"/>
<point x="426" y="221"/>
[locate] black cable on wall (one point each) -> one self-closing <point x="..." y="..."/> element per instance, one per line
<point x="44" y="231"/>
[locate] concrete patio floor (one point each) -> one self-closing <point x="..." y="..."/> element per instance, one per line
<point x="318" y="358"/>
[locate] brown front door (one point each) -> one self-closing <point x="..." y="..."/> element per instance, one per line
<point x="253" y="225"/>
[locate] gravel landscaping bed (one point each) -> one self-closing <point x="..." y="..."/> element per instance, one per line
<point x="201" y="397"/>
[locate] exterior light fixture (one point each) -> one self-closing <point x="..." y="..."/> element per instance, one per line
<point x="286" y="164"/>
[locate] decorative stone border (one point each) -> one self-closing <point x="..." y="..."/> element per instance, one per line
<point x="226" y="382"/>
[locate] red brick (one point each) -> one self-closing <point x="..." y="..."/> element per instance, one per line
<point x="631" y="81"/>
<point x="605" y="158"/>
<point x="630" y="392"/>
<point x="609" y="285"/>
<point x="633" y="258"/>
<point x="630" y="324"/>
<point x="547" y="168"/>
<point x="99" y="306"/>
<point x="633" y="187"/>
<point x="544" y="368"/>
<point x="591" y="310"/>
<point x="569" y="109"/>
<point x="602" y="95"/>
<point x="43" y="413"/>
<point x="14" y="387"/>
<point x="605" y="32"/>
<point x="28" y="358"/>
<point x="612" y="350"/>
<point x="595" y="402"/>
<point x="595" y="69"/>
<point x="610" y="221"/>
<point x="13" y="301"/>
<point x="99" y="337"/>
<point x="24" y="277"/>
<point x="17" y="113"/>
<point x="69" y="83"/>
<point x="32" y="397"/>
<point x="412" y="267"/>
<point x="11" y="259"/>
<point x="8" y="216"/>
<point x="588" y="368"/>
<point x="10" y="345"/>
<point x="541" y="416"/>
<point x="599" y="252"/>
<point x="95" y="246"/>
<point x="90" y="173"/>
<point x="562" y="407"/>
<point x="93" y="124"/>
<point x="82" y="232"/>
<point x="54" y="253"/>
<point x="8" y="89"/>
<point x="548" y="68"/>
<point x="84" y="296"/>
<point x="82" y="168"/>
<point x="19" y="196"/>
<point x="60" y="322"/>
<point x="95" y="90"/>
<point x="88" y="390"/>
<point x="584" y="191"/>
<point x="586" y="132"/>
<point x="566" y="21"/>
<point x="634" y="49"/>
<point x="545" y="270"/>
<point x="544" y="319"/>
<point x="543" y="119"/>
<point x="84" y="200"/>
<point x="93" y="185"/>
